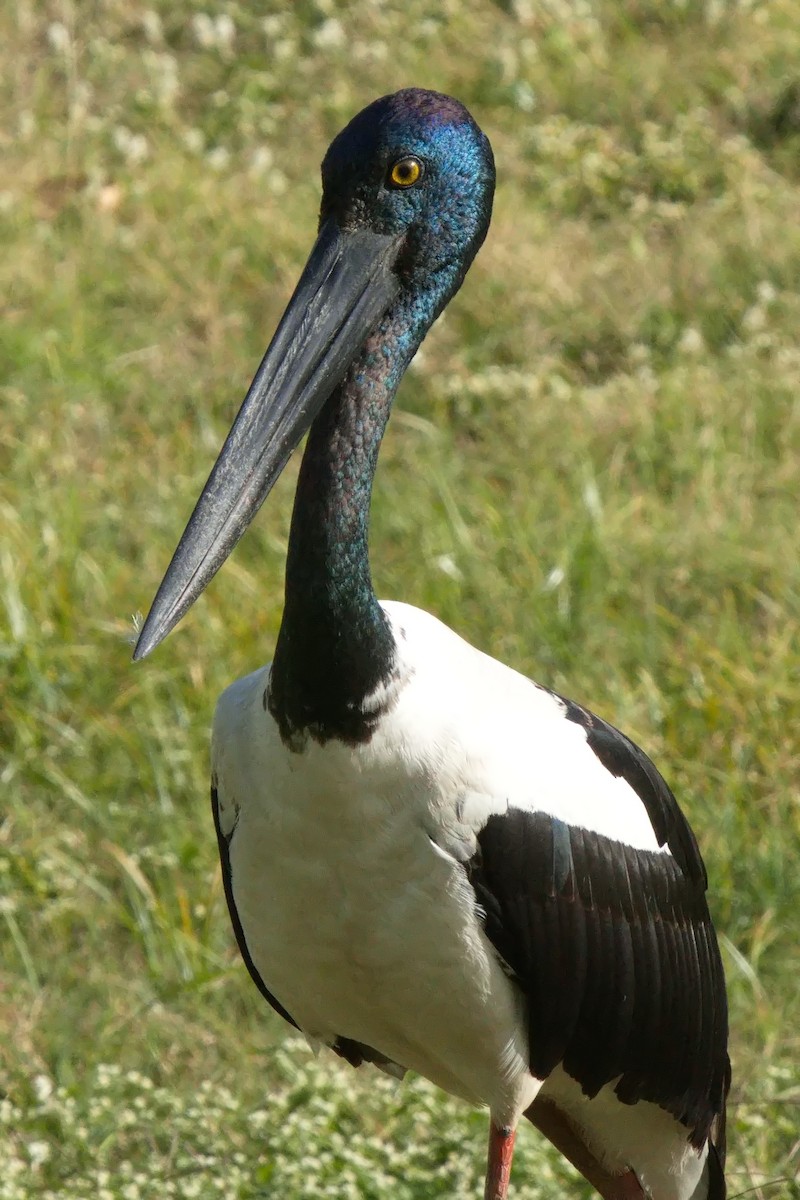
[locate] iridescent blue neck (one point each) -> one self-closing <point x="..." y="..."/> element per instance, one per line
<point x="335" y="647"/>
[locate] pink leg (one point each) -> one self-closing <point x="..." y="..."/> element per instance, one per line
<point x="501" y="1152"/>
<point x="557" y="1129"/>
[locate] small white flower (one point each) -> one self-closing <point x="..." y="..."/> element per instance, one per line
<point x="754" y="319"/>
<point x="42" y="1087"/>
<point x="218" y="158"/>
<point x="766" y="292"/>
<point x="448" y="566"/>
<point x="273" y="25"/>
<point x="524" y="96"/>
<point x="283" y="49"/>
<point x="26" y="125"/>
<point x="166" y="80"/>
<point x="591" y="498"/>
<point x="58" y="37"/>
<point x="261" y="160"/>
<point x="203" y="30"/>
<point x="152" y="27"/>
<point x="133" y="146"/>
<point x="691" y="341"/>
<point x="224" y="31"/>
<point x="329" y="35"/>
<point x="38" y="1153"/>
<point x="194" y="140"/>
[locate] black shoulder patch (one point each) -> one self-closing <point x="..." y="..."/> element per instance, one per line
<point x="241" y="941"/>
<point x="625" y="760"/>
<point x="616" y="954"/>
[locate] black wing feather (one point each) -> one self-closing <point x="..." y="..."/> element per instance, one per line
<point x="613" y="946"/>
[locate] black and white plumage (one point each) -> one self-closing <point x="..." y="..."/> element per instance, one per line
<point x="477" y="847"/>
<point x="430" y="862"/>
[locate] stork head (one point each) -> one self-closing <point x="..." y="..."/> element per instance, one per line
<point x="407" y="192"/>
<point x="413" y="166"/>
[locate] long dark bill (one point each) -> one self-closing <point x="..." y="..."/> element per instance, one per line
<point x="346" y="287"/>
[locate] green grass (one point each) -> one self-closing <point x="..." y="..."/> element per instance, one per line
<point x="592" y="473"/>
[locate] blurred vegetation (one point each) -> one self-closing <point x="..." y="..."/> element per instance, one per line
<point x="592" y="473"/>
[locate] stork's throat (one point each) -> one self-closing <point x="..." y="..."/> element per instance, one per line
<point x="336" y="653"/>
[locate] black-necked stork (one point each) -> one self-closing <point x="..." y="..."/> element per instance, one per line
<point x="430" y="861"/>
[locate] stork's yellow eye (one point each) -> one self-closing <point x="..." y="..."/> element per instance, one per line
<point x="406" y="172"/>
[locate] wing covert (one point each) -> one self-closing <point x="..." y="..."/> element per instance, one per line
<point x="615" y="951"/>
<point x="624" y="759"/>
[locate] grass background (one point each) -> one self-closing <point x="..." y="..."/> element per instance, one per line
<point x="592" y="473"/>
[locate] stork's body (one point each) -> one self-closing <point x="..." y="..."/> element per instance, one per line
<point x="431" y="862"/>
<point x="355" y="872"/>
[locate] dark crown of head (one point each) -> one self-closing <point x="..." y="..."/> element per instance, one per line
<point x="445" y="213"/>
